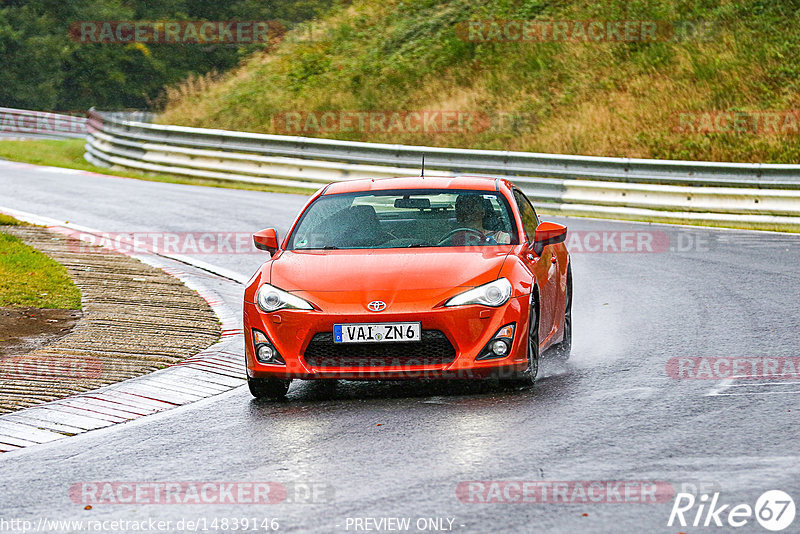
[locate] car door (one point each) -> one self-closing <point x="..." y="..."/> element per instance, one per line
<point x="544" y="268"/>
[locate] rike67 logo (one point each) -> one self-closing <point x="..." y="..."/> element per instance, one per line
<point x="774" y="511"/>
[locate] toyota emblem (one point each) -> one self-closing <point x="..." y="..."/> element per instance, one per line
<point x="376" y="305"/>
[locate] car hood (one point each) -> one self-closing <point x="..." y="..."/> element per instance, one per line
<point x="386" y="270"/>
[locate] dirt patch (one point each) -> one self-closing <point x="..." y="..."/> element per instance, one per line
<point x="25" y="329"/>
<point x="136" y="319"/>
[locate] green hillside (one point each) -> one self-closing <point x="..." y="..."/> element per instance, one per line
<point x="573" y="96"/>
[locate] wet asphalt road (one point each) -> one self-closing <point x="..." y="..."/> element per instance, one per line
<point x="400" y="450"/>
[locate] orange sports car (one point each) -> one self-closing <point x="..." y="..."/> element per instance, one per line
<point x="401" y="278"/>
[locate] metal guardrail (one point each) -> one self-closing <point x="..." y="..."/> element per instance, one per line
<point x="23" y="123"/>
<point x="727" y="194"/>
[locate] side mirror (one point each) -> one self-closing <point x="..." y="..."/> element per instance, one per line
<point x="548" y="233"/>
<point x="266" y="240"/>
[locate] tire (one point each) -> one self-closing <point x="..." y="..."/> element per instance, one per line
<point x="528" y="377"/>
<point x="533" y="339"/>
<point x="562" y="350"/>
<point x="268" y="388"/>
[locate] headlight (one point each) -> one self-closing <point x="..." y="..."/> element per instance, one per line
<point x="493" y="294"/>
<point x="270" y="299"/>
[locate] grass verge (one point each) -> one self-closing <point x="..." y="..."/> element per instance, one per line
<point x="31" y="279"/>
<point x="68" y="154"/>
<point x="5" y="220"/>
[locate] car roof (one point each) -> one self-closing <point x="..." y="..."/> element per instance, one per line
<point x="480" y="183"/>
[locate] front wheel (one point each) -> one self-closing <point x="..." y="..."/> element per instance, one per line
<point x="563" y="349"/>
<point x="528" y="377"/>
<point x="268" y="388"/>
<point x="533" y="340"/>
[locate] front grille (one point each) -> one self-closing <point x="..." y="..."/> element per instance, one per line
<point x="433" y="349"/>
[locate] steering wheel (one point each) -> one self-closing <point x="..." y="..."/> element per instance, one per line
<point x="452" y="233"/>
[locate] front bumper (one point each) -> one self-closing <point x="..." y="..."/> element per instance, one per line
<point x="468" y="329"/>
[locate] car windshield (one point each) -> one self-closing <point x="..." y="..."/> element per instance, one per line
<point x="404" y="219"/>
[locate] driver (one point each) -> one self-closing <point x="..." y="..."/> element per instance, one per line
<point x="470" y="213"/>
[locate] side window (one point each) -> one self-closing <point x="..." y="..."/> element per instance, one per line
<point x="529" y="219"/>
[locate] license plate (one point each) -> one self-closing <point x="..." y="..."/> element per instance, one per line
<point x="376" y="332"/>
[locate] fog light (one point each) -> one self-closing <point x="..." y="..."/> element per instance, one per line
<point x="499" y="347"/>
<point x="265" y="353"/>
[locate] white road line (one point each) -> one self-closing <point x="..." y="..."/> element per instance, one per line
<point x="722" y="385"/>
<point x="765" y="384"/>
<point x="758" y="393"/>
